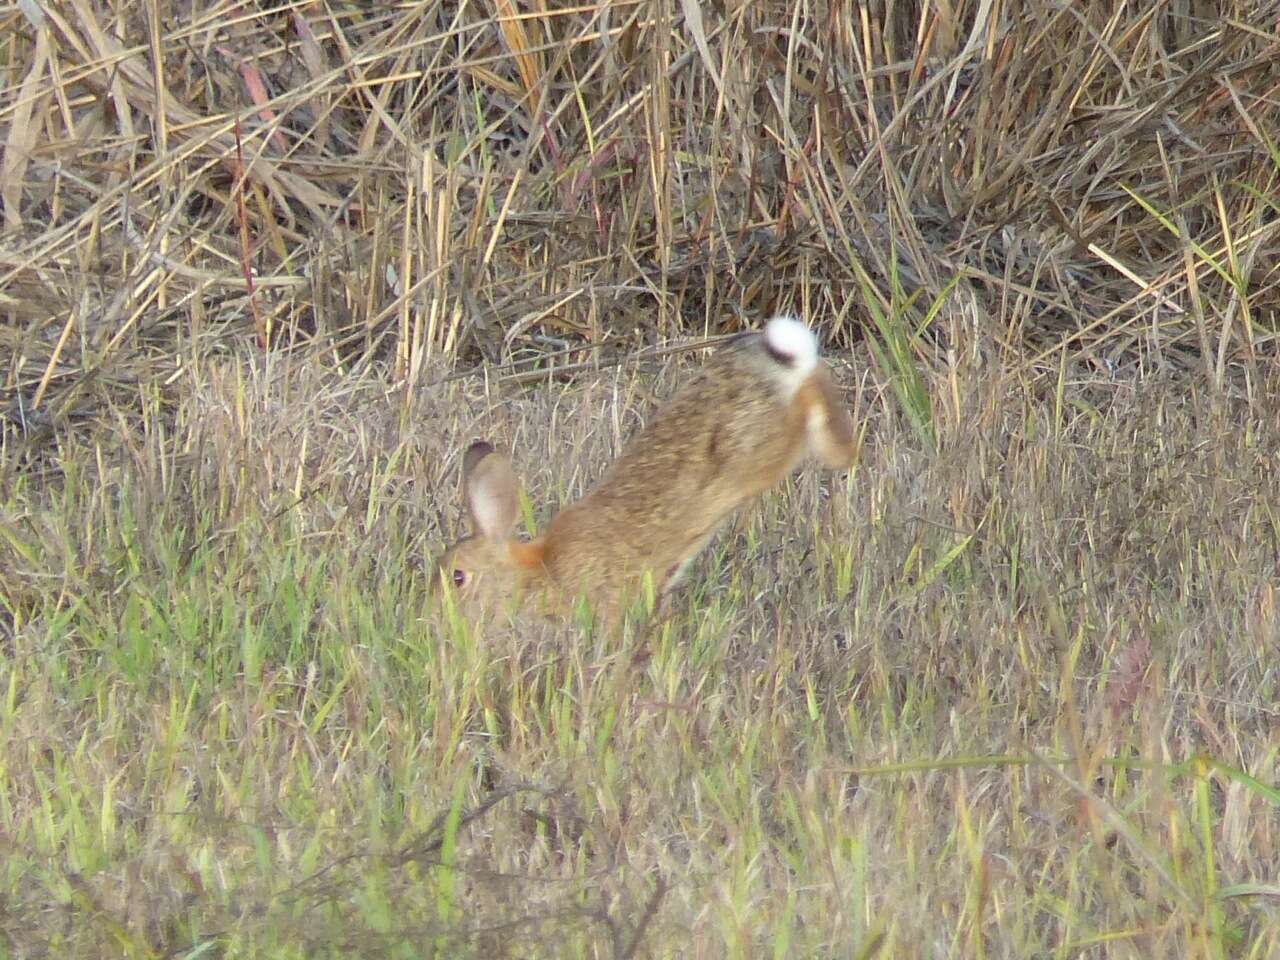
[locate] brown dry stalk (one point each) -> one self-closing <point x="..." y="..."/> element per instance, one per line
<point x="524" y="185"/>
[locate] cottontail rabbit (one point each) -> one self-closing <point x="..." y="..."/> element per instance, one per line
<point x="759" y="406"/>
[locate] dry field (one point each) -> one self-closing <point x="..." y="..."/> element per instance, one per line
<point x="1008" y="688"/>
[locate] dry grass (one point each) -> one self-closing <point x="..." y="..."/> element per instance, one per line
<point x="1008" y="689"/>
<point x="487" y="180"/>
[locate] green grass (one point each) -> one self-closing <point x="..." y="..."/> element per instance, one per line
<point x="234" y="726"/>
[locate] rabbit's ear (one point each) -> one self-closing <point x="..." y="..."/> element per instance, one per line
<point x="490" y="488"/>
<point x="830" y="427"/>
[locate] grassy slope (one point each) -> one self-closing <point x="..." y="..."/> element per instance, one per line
<point x="229" y="714"/>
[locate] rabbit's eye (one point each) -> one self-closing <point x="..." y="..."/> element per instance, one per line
<point x="459" y="578"/>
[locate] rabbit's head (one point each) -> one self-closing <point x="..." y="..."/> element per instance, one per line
<point x="490" y="567"/>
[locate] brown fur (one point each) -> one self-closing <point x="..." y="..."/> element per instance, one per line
<point x="737" y="429"/>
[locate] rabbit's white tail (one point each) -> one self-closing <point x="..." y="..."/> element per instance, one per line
<point x="792" y="344"/>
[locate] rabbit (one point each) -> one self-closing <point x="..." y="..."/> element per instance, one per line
<point x="757" y="408"/>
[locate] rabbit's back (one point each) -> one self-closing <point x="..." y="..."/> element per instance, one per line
<point x="724" y="438"/>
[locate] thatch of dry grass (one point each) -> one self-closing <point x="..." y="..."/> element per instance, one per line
<point x="524" y="183"/>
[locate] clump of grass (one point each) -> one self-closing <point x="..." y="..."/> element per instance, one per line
<point x="535" y="187"/>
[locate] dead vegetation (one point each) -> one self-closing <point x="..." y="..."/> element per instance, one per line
<point x="265" y="269"/>
<point x="530" y="185"/>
